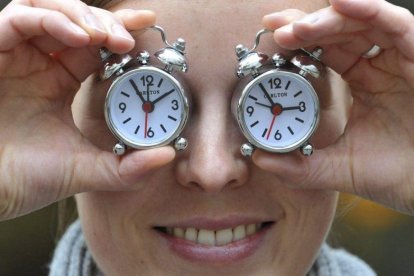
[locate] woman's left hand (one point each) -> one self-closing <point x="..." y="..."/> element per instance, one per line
<point x="374" y="157"/>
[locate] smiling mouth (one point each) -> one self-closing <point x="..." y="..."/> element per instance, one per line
<point x="220" y="237"/>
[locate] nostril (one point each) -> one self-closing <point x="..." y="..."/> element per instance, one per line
<point x="194" y="186"/>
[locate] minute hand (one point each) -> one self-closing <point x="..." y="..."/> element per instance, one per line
<point x="266" y="94"/>
<point x="291" y="108"/>
<point x="163" y="96"/>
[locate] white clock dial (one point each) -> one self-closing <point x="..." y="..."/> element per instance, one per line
<point x="279" y="111"/>
<point x="146" y="107"/>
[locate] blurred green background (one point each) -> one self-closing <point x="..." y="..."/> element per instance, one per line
<point x="383" y="238"/>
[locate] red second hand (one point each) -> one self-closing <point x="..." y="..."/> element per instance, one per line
<point x="271" y="126"/>
<point x="146" y="124"/>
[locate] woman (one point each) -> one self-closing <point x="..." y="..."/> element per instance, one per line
<point x="157" y="212"/>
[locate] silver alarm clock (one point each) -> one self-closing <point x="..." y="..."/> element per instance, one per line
<point x="275" y="105"/>
<point x="146" y="105"/>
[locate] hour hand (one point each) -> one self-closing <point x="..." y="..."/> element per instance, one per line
<point x="266" y="94"/>
<point x="137" y="90"/>
<point x="291" y="108"/>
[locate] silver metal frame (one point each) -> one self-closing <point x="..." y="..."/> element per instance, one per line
<point x="184" y="116"/>
<point x="242" y="100"/>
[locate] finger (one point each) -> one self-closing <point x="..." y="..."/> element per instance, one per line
<point x="79" y="13"/>
<point x="393" y="20"/>
<point x="344" y="40"/>
<point x="19" y="23"/>
<point x="83" y="62"/>
<point x="325" y="27"/>
<point x="276" y="20"/>
<point x="120" y="24"/>
<point x="47" y="44"/>
<point x="136" y="19"/>
<point x="104" y="171"/>
<point x="323" y="170"/>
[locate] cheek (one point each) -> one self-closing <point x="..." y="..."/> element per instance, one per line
<point x="113" y="232"/>
<point x="309" y="215"/>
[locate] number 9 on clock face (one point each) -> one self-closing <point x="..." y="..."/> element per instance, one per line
<point x="146" y="107"/>
<point x="278" y="111"/>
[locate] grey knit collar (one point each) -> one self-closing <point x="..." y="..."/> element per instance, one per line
<point x="72" y="258"/>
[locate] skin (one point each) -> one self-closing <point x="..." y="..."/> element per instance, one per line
<point x="57" y="145"/>
<point x="229" y="184"/>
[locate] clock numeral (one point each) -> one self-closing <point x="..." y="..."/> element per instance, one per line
<point x="163" y="128"/>
<point x="160" y="83"/>
<point x="174" y="105"/>
<point x="297" y="94"/>
<point x="254" y="124"/>
<point x="253" y="98"/>
<point x="147" y="80"/>
<point x="172" y="118"/>
<point x="127" y="120"/>
<point x="125" y="94"/>
<point x="137" y="129"/>
<point x="275" y="83"/>
<point x="278" y="135"/>
<point x="287" y="85"/>
<point x="290" y="130"/>
<point x="299" y="120"/>
<point x="122" y="107"/>
<point x="150" y="133"/>
<point x="302" y="107"/>
<point x="264" y="133"/>
<point x="250" y="110"/>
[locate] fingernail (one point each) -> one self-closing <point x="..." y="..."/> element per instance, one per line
<point x="92" y="21"/>
<point x="287" y="28"/>
<point x="310" y="18"/>
<point x="272" y="16"/>
<point x="120" y="31"/>
<point x="78" y="29"/>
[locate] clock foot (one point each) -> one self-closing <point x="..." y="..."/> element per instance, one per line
<point x="247" y="149"/>
<point x="119" y="149"/>
<point x="306" y="149"/>
<point x="180" y="144"/>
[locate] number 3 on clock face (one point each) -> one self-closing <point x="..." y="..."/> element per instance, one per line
<point x="278" y="111"/>
<point x="146" y="107"/>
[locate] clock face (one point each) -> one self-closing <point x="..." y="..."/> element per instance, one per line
<point x="278" y="111"/>
<point x="146" y="107"/>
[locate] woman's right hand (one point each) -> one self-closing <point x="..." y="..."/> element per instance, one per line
<point x="47" y="48"/>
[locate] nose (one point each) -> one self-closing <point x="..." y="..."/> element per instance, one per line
<point x="213" y="161"/>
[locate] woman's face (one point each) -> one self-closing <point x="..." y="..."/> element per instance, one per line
<point x="210" y="190"/>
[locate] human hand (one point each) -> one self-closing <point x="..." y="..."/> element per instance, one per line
<point x="374" y="156"/>
<point x="47" y="48"/>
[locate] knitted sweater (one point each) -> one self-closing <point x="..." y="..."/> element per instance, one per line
<point x="72" y="258"/>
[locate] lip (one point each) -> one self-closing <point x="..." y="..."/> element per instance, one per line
<point x="230" y="253"/>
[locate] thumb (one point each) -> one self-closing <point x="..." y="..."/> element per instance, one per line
<point x="326" y="169"/>
<point x="104" y="171"/>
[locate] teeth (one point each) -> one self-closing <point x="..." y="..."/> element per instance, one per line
<point x="224" y="236"/>
<point x="211" y="238"/>
<point x="251" y="229"/>
<point x="206" y="237"/>
<point x="177" y="232"/>
<point x="191" y="234"/>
